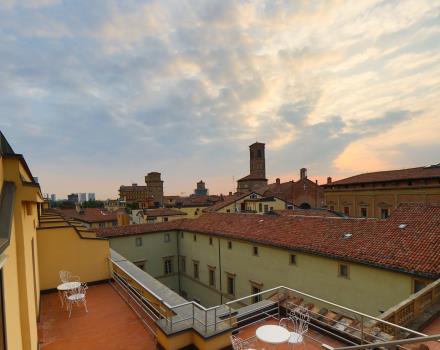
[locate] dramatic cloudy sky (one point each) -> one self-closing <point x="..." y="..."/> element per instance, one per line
<point x="97" y="93"/>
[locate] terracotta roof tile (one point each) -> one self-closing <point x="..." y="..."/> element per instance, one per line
<point x="391" y="175"/>
<point x="129" y="230"/>
<point x="410" y="249"/>
<point x="308" y="212"/>
<point x="89" y="214"/>
<point x="163" y="212"/>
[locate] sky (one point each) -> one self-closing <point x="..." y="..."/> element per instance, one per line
<point x="96" y="94"/>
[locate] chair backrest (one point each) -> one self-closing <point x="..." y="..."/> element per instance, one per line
<point x="286" y="323"/>
<point x="82" y="289"/>
<point x="64" y="276"/>
<point x="301" y="318"/>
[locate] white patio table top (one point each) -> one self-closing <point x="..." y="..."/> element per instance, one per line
<point x="68" y="286"/>
<point x="273" y="334"/>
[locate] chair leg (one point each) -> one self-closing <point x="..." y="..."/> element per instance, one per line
<point x="85" y="304"/>
<point x="70" y="308"/>
<point x="60" y="294"/>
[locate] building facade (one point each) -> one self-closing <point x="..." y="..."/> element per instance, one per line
<point x="221" y="257"/>
<point x="133" y="194"/>
<point x="201" y="190"/>
<point x="378" y="194"/>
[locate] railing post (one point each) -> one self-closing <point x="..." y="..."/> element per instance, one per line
<point x="362" y="329"/>
<point x="215" y="319"/>
<point x="206" y="321"/>
<point x="193" y="313"/>
<point x="230" y="316"/>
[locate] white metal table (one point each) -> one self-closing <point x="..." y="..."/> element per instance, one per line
<point x="273" y="334"/>
<point x="64" y="287"/>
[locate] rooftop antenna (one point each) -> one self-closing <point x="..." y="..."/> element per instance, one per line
<point x="233" y="183"/>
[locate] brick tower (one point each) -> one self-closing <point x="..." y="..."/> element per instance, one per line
<point x="257" y="160"/>
<point x="155" y="188"/>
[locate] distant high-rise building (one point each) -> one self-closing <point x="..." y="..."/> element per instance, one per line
<point x="73" y="197"/>
<point x="82" y="197"/>
<point x="91" y="196"/>
<point x="201" y="190"/>
<point x="53" y="197"/>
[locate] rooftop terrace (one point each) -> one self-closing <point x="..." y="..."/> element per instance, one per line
<point x="109" y="324"/>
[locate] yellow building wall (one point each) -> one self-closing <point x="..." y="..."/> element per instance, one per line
<point x="368" y="289"/>
<point x="20" y="269"/>
<point x="63" y="249"/>
<point x="375" y="199"/>
<point x="192" y="212"/>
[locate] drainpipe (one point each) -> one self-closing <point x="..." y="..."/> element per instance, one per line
<point x="220" y="271"/>
<point x="178" y="260"/>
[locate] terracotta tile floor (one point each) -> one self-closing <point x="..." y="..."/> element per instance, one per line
<point x="310" y="344"/>
<point x="432" y="329"/>
<point x="110" y="324"/>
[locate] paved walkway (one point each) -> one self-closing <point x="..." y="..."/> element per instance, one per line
<point x="110" y="324"/>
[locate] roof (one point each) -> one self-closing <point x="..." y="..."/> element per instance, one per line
<point x="308" y="212"/>
<point x="128" y="230"/>
<point x="89" y="215"/>
<point x="227" y="200"/>
<point x="251" y="177"/>
<point x="163" y="212"/>
<point x="432" y="171"/>
<point x="5" y="147"/>
<point x="381" y="243"/>
<point x="411" y="249"/>
<point x="132" y="188"/>
<point x="286" y="190"/>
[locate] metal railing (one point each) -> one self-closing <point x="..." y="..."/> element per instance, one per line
<point x="342" y="323"/>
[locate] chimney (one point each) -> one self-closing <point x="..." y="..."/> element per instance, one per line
<point x="316" y="181"/>
<point x="278" y="181"/>
<point x="230" y="193"/>
<point x="329" y="180"/>
<point x="303" y="173"/>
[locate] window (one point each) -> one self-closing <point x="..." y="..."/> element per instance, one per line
<point x="181" y="235"/>
<point x="419" y="285"/>
<point x="195" y="238"/>
<point x="256" y="290"/>
<point x="229" y="245"/>
<point x="266" y="208"/>
<point x="410" y="183"/>
<point x="165" y="219"/>
<point x="140" y="264"/>
<point x="332" y="207"/>
<point x="28" y="207"/>
<point x="343" y="270"/>
<point x="102" y="224"/>
<point x="384" y="213"/>
<point x="292" y="259"/>
<point x="167" y="237"/>
<point x="231" y="284"/>
<point x="212" y="276"/>
<point x="182" y="264"/>
<point x="260" y="207"/>
<point x="114" y="223"/>
<point x="347" y="211"/>
<point x="138" y="242"/>
<point x="196" y="269"/>
<point x="364" y="212"/>
<point x="228" y="210"/>
<point x="255" y="250"/>
<point x="253" y="196"/>
<point x="210" y="240"/>
<point x="168" y="266"/>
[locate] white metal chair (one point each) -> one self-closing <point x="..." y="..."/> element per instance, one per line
<point x="77" y="296"/>
<point x="299" y="320"/>
<point x="66" y="276"/>
<point x="241" y="344"/>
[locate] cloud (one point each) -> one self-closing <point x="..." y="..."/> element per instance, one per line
<point x="134" y="86"/>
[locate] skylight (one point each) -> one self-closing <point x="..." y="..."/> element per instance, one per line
<point x="402" y="226"/>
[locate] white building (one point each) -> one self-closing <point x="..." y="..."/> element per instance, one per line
<point x="82" y="197"/>
<point x="91" y="196"/>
